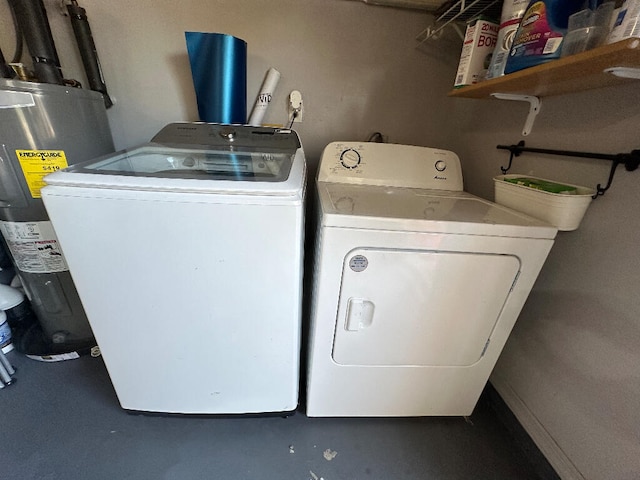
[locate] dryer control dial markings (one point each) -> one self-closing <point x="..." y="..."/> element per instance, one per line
<point x="350" y="158"/>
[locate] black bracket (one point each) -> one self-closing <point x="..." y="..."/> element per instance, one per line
<point x="631" y="160"/>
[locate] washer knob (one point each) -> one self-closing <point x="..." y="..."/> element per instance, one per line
<point x="228" y="133"/>
<point x="441" y="165"/>
<point x="350" y="158"/>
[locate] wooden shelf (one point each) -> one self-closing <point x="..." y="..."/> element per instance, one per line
<point x="583" y="71"/>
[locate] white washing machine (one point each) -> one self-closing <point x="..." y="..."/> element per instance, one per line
<point x="416" y="284"/>
<point x="187" y="255"/>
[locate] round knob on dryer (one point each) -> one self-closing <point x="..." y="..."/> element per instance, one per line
<point x="441" y="165"/>
<point x="350" y="158"/>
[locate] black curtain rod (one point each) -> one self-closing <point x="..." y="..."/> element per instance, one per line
<point x="631" y="160"/>
<point x="519" y="148"/>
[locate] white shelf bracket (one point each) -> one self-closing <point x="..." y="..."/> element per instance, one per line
<point x="534" y="107"/>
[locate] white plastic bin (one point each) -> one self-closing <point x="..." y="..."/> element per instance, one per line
<point x="564" y="211"/>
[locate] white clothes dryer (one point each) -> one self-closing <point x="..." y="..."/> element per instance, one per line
<point x="187" y="256"/>
<point x="416" y="283"/>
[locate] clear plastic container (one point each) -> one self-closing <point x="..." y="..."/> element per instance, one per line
<point x="588" y="29"/>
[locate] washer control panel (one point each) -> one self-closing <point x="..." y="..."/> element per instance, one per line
<point x="387" y="164"/>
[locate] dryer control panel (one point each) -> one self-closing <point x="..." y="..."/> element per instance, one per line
<point x="385" y="164"/>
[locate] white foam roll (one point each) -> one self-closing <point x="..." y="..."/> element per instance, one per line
<point x="269" y="85"/>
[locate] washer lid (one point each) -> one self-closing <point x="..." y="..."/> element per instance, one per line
<point x="418" y="210"/>
<point x="193" y="169"/>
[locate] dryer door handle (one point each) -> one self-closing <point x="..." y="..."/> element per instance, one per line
<point x="359" y="314"/>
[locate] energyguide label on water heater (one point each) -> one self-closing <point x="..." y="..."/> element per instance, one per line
<point x="34" y="247"/>
<point x="38" y="163"/>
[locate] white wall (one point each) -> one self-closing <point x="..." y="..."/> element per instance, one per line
<point x="573" y="361"/>
<point x="356" y="65"/>
<point x="571" y="368"/>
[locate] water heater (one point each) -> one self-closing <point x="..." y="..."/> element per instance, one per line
<point x="45" y="127"/>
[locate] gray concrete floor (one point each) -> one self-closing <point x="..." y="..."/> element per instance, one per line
<point x="63" y="421"/>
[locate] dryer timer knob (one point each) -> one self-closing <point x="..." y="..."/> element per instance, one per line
<point x="350" y="158"/>
<point x="441" y="165"/>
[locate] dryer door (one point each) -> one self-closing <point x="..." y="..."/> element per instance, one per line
<point x="424" y="308"/>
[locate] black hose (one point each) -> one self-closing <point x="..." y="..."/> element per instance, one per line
<point x="88" y="52"/>
<point x="32" y="19"/>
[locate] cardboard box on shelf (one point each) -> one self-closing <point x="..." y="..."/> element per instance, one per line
<point x="479" y="42"/>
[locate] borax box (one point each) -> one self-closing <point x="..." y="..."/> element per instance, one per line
<point x="479" y="42"/>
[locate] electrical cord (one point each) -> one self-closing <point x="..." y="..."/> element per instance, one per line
<point x="295" y="105"/>
<point x="376" y="137"/>
<point x="293" y="118"/>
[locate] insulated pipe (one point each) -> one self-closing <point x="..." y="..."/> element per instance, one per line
<point x="32" y="20"/>
<point x="88" y="52"/>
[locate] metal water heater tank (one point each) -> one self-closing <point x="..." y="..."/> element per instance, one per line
<point x="44" y="128"/>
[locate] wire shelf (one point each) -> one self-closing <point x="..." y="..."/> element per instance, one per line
<point x="459" y="11"/>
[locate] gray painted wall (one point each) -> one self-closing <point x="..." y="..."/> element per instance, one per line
<point x="572" y="364"/>
<point x="355" y="65"/>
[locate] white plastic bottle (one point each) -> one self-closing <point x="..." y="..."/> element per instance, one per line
<point x="512" y="12"/>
